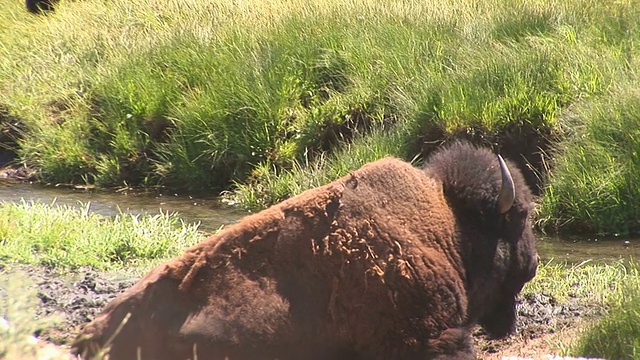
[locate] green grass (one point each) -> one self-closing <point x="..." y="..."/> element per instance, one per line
<point x="189" y="96"/>
<point x="204" y="96"/>
<point x="235" y="86"/>
<point x="269" y="185"/>
<point x="592" y="184"/>
<point x="612" y="287"/>
<point x="592" y="282"/>
<point x="68" y="237"/>
<point x="617" y="334"/>
<point x="65" y="238"/>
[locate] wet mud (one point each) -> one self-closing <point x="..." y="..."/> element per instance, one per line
<point x="539" y="316"/>
<point x="68" y="299"/>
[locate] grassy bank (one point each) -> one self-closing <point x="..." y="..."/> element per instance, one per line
<point x="592" y="184"/>
<point x="201" y="95"/>
<point x="68" y="237"/>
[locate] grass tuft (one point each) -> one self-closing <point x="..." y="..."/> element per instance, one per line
<point x="69" y="237"/>
<point x="591" y="282"/>
<point x="591" y="184"/>
<point x="617" y="334"/>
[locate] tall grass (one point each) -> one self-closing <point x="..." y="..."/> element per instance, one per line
<point x="191" y="107"/>
<point x="268" y="185"/>
<point x="199" y="95"/>
<point x="194" y="94"/>
<point x="592" y="185"/>
<point x="70" y="237"/>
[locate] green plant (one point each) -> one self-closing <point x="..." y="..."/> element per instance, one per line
<point x="590" y="186"/>
<point x="63" y="236"/>
<point x="200" y="96"/>
<point x="617" y="334"/>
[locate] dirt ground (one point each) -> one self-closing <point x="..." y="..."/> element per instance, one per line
<point x="74" y="299"/>
<point x="544" y="327"/>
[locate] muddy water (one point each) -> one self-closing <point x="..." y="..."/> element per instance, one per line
<point x="211" y="214"/>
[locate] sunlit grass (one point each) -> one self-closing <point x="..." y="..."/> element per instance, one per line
<point x="268" y="185"/>
<point x="589" y="281"/>
<point x="200" y="95"/>
<point x="617" y="334"/>
<point x="69" y="237"/>
<point x="612" y="288"/>
<point x="592" y="184"/>
<point x="236" y="84"/>
<point x="66" y="238"/>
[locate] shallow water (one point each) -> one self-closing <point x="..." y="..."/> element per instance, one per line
<point x="575" y="249"/>
<point x="209" y="212"/>
<point x="212" y="214"/>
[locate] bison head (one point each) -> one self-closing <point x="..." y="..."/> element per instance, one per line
<point x="492" y="205"/>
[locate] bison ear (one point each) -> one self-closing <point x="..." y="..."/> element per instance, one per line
<point x="507" y="190"/>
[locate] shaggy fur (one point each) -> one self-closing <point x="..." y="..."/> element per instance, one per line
<point x="389" y="262"/>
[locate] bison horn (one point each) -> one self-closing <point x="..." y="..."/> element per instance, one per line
<point x="507" y="190"/>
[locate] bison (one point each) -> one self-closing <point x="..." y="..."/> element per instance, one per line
<point x="388" y="262"/>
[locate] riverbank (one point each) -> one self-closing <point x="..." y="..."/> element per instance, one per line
<point x="59" y="266"/>
<point x="266" y="99"/>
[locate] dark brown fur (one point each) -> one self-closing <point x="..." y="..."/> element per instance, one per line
<point x="389" y="262"/>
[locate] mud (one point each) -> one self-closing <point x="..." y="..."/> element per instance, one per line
<point x="70" y="299"/>
<point x="539" y="317"/>
<point x="76" y="298"/>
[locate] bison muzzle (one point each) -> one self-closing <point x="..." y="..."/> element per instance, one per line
<point x="388" y="262"/>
